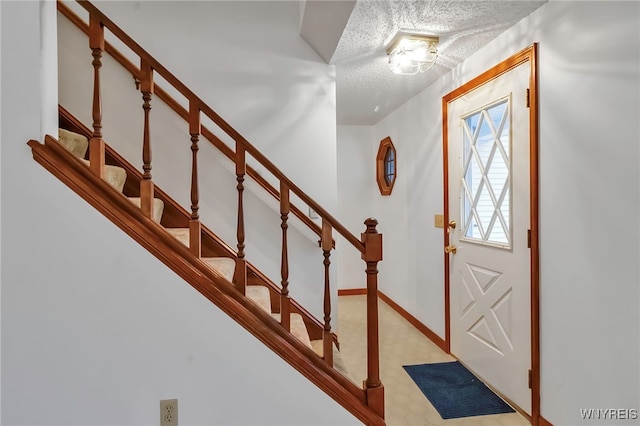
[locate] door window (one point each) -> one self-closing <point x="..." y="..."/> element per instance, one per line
<point x="486" y="180"/>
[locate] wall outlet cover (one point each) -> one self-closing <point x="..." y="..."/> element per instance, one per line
<point x="169" y="412"/>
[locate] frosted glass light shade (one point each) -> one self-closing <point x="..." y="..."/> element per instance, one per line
<point x="410" y="55"/>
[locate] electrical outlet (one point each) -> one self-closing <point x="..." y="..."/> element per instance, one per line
<point x="169" y="412"/>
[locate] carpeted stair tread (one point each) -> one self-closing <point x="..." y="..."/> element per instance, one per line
<point x="338" y="362"/>
<point x="260" y="295"/>
<point x="114" y="175"/>
<point x="181" y="234"/>
<point x="75" y="143"/>
<point x="226" y="266"/>
<point x="158" y="207"/>
<point x="298" y="329"/>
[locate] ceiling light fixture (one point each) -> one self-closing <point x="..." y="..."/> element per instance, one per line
<point x="412" y="53"/>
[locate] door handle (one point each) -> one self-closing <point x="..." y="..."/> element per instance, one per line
<point x="452" y="224"/>
<point x="451" y="249"/>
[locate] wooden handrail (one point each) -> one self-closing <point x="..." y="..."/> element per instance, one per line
<point x="182" y="112"/>
<point x="220" y="122"/>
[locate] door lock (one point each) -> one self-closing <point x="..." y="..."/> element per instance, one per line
<point x="451" y="249"/>
<point x="452" y="224"/>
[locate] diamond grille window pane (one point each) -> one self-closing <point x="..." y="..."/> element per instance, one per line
<point x="389" y="166"/>
<point x="486" y="174"/>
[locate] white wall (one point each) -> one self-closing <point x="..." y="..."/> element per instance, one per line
<point x="355" y="198"/>
<point x="248" y="62"/>
<point x="589" y="201"/>
<point x="263" y="79"/>
<point x="95" y="330"/>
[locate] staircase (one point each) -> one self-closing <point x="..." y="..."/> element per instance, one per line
<point x="129" y="198"/>
<point x="116" y="176"/>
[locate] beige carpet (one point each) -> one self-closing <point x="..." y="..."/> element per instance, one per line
<point x="400" y="344"/>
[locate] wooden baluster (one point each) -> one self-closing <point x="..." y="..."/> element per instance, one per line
<point x="195" y="227"/>
<point x="241" y="264"/>
<point x="285" y="300"/>
<point x="327" y="338"/>
<point x="96" y="144"/>
<point x="146" y="184"/>
<point x="372" y="254"/>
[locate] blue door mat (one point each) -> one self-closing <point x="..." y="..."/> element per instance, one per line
<point x="454" y="391"/>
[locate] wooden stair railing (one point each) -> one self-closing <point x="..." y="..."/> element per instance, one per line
<point x="176" y="216"/>
<point x="179" y="258"/>
<point x="369" y="244"/>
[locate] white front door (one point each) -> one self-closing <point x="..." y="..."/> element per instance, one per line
<point x="488" y="166"/>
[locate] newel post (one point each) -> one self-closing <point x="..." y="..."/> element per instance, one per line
<point x="96" y="144"/>
<point x="372" y="254"/>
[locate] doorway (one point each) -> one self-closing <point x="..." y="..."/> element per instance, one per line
<point x="491" y="241"/>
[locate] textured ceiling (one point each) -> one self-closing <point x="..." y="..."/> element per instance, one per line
<point x="367" y="91"/>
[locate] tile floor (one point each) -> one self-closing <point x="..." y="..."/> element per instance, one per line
<point x="400" y="344"/>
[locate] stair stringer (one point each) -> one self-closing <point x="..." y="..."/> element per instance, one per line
<point x="207" y="282"/>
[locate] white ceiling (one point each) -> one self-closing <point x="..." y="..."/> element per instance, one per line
<point x="366" y="89"/>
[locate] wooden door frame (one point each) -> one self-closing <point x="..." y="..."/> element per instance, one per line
<point x="530" y="55"/>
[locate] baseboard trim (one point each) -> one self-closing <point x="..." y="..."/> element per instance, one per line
<point x="418" y="325"/>
<point x="544" y="422"/>
<point x="439" y="341"/>
<point x="402" y="312"/>
<point x="351" y="291"/>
